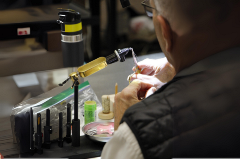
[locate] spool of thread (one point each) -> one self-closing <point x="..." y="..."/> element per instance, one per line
<point x="89" y="111"/>
<point x="106" y="114"/>
<point x="106" y="104"/>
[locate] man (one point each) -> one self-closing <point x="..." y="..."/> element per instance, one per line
<point x="197" y="113"/>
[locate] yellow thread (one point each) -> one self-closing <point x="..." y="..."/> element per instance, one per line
<point x="73" y="27"/>
<point x="137" y="72"/>
<point x="130" y="79"/>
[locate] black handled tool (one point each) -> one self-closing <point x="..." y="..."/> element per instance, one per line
<point x="68" y="137"/>
<point x="32" y="148"/>
<point x="47" y="131"/>
<point x="76" y="121"/>
<point x="60" y="139"/>
<point x="38" y="135"/>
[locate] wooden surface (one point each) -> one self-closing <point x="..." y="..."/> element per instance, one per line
<point x="31" y="63"/>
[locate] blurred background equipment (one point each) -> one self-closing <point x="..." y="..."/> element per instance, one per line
<point x="31" y="60"/>
<point x="125" y="3"/>
<point x="31" y="38"/>
<point x="37" y="20"/>
<point x="71" y="37"/>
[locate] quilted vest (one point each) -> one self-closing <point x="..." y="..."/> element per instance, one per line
<point x="191" y="116"/>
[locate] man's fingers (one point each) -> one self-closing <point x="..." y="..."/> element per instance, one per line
<point x="150" y="91"/>
<point x="146" y="66"/>
<point x="144" y="78"/>
<point x="150" y="66"/>
<point x="140" y="85"/>
<point x="148" y="79"/>
<point x="166" y="73"/>
<point x="145" y="71"/>
<point x="116" y="97"/>
<point x="144" y="89"/>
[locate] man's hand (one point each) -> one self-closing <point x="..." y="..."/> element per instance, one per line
<point x="129" y="96"/>
<point x="157" y="72"/>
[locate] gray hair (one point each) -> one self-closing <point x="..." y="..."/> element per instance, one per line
<point x="195" y="11"/>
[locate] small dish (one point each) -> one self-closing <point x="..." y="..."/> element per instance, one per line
<point x="99" y="131"/>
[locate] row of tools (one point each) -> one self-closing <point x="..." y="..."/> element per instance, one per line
<point x="73" y="126"/>
<point x="38" y="146"/>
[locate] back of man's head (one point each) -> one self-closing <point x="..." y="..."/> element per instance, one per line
<point x="199" y="14"/>
<point x="196" y="28"/>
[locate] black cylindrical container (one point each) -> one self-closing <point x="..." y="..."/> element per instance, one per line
<point x="71" y="37"/>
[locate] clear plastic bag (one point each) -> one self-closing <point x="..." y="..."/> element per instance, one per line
<point x="20" y="119"/>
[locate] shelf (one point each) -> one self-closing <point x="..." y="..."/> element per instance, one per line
<point x="38" y="19"/>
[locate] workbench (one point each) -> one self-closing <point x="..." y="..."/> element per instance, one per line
<point x="102" y="82"/>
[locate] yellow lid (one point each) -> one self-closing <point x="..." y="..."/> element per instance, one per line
<point x="90" y="105"/>
<point x="90" y="102"/>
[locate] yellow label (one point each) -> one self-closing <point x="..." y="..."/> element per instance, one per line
<point x="73" y="27"/>
<point x="63" y="102"/>
<point x="39" y="120"/>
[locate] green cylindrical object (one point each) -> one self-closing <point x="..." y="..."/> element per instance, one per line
<point x="90" y="108"/>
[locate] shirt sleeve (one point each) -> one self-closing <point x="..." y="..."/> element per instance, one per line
<point x="123" y="144"/>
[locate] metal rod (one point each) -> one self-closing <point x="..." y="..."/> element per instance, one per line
<point x="69" y="113"/>
<point x="31" y="130"/>
<point x="68" y="138"/>
<point x="76" y="121"/>
<point x="47" y="117"/>
<point x="76" y="101"/>
<point x="61" y="84"/>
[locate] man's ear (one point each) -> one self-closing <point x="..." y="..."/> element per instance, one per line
<point x="166" y="32"/>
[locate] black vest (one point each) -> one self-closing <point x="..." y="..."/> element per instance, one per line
<point x="191" y="116"/>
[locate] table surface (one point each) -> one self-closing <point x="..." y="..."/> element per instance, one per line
<point x="102" y="82"/>
<point x="87" y="149"/>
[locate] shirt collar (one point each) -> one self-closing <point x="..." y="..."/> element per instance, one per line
<point x="219" y="59"/>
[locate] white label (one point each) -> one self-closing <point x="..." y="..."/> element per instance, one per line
<point x="25" y="80"/>
<point x="23" y="31"/>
